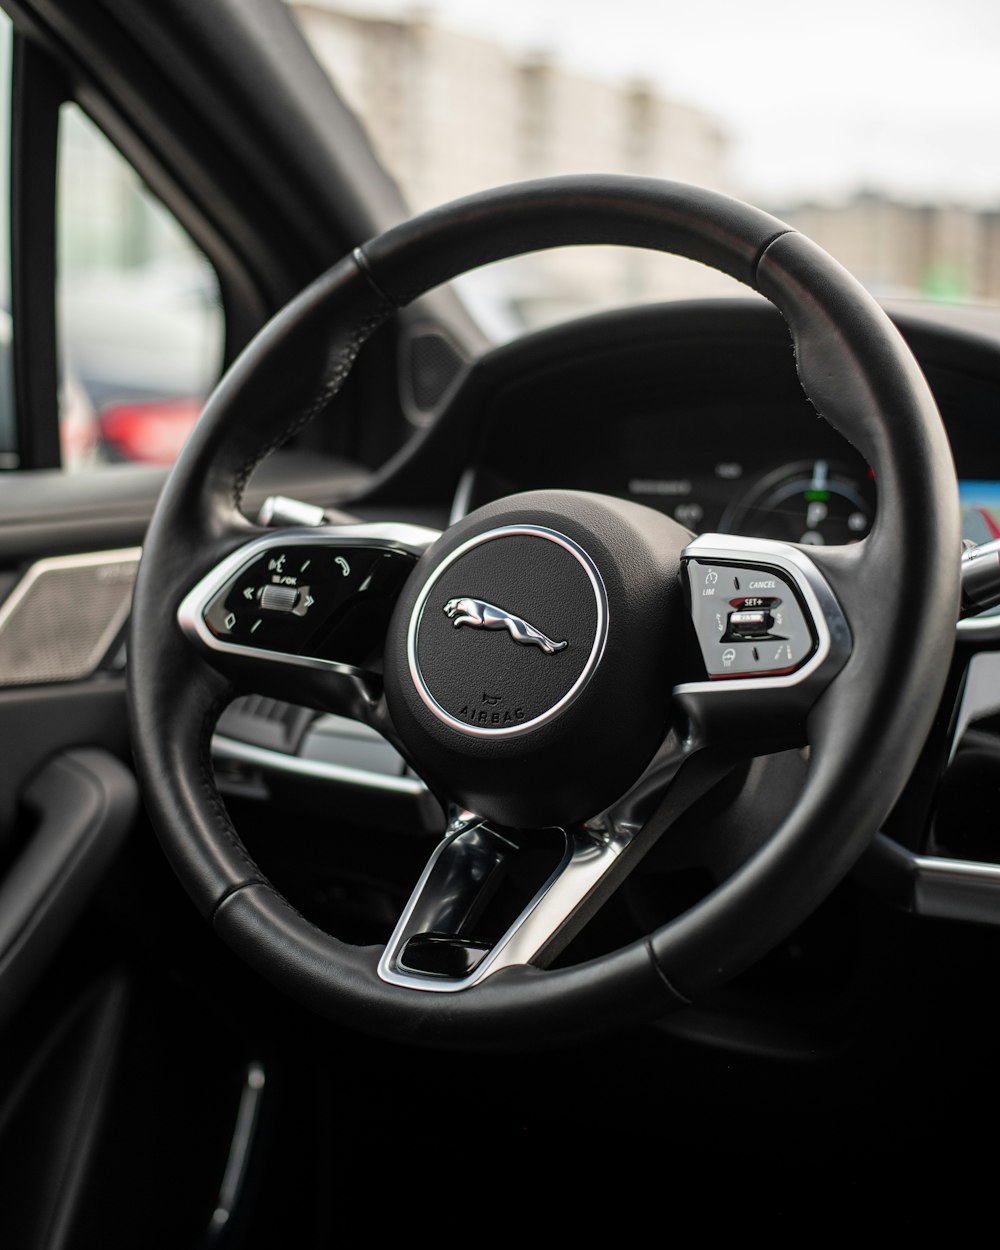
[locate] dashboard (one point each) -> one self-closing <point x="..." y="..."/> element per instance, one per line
<point x="757" y="470"/>
<point x="713" y="474"/>
<point x="715" y="431"/>
<point x="696" y="410"/>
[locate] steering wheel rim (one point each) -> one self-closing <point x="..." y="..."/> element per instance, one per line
<point x="859" y="375"/>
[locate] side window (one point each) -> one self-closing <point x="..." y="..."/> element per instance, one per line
<point x="140" y="318"/>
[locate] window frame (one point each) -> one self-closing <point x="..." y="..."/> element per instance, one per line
<point x="41" y="84"/>
<point x="224" y="113"/>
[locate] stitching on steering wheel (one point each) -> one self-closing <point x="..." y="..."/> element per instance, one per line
<point x="343" y="363"/>
<point x="344" y="360"/>
<point x="681" y="998"/>
<point x="226" y="827"/>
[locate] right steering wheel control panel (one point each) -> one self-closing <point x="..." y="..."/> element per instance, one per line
<point x="770" y="631"/>
<point x="749" y="620"/>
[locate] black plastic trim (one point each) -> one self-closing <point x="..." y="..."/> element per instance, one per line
<point x="38" y="90"/>
<point x="84" y="802"/>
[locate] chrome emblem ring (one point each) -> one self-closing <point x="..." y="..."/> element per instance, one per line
<point x="472" y="613"/>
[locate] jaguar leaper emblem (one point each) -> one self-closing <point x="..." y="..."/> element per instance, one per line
<point x="485" y="616"/>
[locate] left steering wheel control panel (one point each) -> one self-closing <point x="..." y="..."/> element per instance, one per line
<point x="322" y="594"/>
<point x="324" y="602"/>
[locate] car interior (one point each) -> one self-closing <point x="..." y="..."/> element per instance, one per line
<point x="576" y="752"/>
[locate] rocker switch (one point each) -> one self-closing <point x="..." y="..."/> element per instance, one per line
<point x="755" y="624"/>
<point x="279" y="598"/>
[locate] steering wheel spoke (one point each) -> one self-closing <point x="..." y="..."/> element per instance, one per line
<point x="301" y="613"/>
<point x="492" y="898"/>
<point x="770" y="634"/>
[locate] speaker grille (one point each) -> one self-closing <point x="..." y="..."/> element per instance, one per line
<point x="434" y="365"/>
<point x="63" y="615"/>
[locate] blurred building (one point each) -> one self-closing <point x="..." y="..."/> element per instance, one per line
<point x="450" y="113"/>
<point x="933" y="251"/>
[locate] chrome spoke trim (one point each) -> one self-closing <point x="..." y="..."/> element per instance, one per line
<point x="459" y="867"/>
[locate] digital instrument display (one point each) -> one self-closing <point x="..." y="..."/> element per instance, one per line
<point x="980" y="504"/>
<point x="757" y="470"/>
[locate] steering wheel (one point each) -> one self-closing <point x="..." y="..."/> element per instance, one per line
<point x="531" y="660"/>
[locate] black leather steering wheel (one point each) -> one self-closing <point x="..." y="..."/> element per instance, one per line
<point x="530" y="660"/>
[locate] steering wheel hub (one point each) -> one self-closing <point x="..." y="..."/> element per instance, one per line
<point x="528" y="637"/>
<point x="531" y="613"/>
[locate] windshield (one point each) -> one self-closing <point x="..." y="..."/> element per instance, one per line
<point x="872" y="126"/>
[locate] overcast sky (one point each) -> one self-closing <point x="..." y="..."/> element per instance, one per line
<point x="818" y="98"/>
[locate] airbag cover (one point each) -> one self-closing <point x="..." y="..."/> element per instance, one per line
<point x="528" y="670"/>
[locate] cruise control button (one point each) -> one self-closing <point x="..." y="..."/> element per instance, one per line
<point x="765" y="632"/>
<point x="750" y="624"/>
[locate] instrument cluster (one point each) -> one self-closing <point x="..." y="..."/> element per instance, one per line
<point x="815" y="501"/>
<point x="758" y="473"/>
